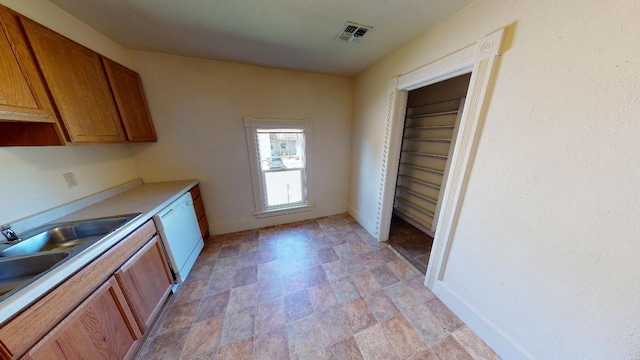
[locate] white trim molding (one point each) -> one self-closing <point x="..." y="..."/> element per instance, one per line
<point x="286" y="211"/>
<point x="251" y="124"/>
<point x="390" y="158"/>
<point x="480" y="60"/>
<point x="485" y="57"/>
<point x="368" y="225"/>
<point x="501" y="342"/>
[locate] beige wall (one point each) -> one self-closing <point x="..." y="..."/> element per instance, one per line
<point x="197" y="107"/>
<point x="545" y="255"/>
<point x="545" y="252"/>
<point x="31" y="179"/>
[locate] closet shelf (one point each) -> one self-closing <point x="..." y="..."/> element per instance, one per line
<point x="453" y="112"/>
<point x="427" y="142"/>
<point x="440" y="156"/>
<point x="432" y="127"/>
<point x="423" y="168"/>
<point x="418" y="195"/>
<point x="415" y="206"/>
<point x="428" y="225"/>
<point x="422" y="182"/>
<point x="427" y="139"/>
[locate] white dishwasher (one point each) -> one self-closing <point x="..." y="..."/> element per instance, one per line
<point x="178" y="227"/>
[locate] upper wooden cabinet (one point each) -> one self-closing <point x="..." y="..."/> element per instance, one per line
<point x="54" y="91"/>
<point x="23" y="95"/>
<point x="129" y="95"/>
<point x="78" y="83"/>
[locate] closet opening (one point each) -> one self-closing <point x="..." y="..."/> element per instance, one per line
<point x="431" y="123"/>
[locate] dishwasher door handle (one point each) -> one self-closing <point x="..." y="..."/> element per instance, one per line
<point x="166" y="214"/>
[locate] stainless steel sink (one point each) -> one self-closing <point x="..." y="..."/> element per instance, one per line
<point x="44" y="248"/>
<point x="14" y="272"/>
<point x="75" y="234"/>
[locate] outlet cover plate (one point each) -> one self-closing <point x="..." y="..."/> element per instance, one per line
<point x="70" y="178"/>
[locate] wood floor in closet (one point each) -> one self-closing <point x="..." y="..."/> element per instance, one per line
<point x="413" y="244"/>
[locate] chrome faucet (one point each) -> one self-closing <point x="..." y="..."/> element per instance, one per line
<point x="9" y="233"/>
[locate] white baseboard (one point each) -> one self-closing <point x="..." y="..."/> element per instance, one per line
<point x="256" y="223"/>
<point x="366" y="224"/>
<point x="489" y="332"/>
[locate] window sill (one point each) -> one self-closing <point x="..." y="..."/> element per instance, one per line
<point x="285" y="211"/>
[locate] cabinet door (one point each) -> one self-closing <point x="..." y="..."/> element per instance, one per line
<point x="129" y="95"/>
<point x="102" y="327"/>
<point x="78" y="83"/>
<point x="146" y="281"/>
<point x="22" y="92"/>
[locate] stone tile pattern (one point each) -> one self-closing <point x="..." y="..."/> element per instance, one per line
<point x="411" y="243"/>
<point x="317" y="289"/>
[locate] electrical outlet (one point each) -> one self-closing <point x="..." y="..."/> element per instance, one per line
<point x="70" y="178"/>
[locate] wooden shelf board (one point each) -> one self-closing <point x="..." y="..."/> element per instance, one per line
<point x="454" y="112"/>
<point x="426" y="154"/>
<point x="433" y="127"/>
<point x="427" y="139"/>
<point x="415" y="206"/>
<point x="441" y="172"/>
<point x="416" y="180"/>
<point x="426" y="225"/>
<point x="419" y="195"/>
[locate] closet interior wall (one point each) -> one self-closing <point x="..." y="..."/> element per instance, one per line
<point x="433" y="113"/>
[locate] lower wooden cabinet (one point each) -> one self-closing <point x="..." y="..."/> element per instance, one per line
<point x="102" y="327"/>
<point x="146" y="281"/>
<point x="198" y="205"/>
<point x="131" y="280"/>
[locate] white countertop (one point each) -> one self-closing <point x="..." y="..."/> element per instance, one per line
<point x="147" y="199"/>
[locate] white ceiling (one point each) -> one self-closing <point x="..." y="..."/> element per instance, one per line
<point x="288" y="34"/>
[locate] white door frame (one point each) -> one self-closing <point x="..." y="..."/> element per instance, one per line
<point x="479" y="59"/>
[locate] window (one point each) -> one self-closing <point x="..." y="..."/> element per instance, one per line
<point x="279" y="154"/>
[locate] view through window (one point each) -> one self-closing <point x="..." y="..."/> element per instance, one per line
<point x="282" y="166"/>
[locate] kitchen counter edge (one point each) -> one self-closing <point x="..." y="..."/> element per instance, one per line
<point x="147" y="199"/>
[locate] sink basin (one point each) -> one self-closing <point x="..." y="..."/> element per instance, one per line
<point x="15" y="272"/>
<point x="74" y="234"/>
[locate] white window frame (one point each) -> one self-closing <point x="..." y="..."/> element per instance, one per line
<point x="259" y="195"/>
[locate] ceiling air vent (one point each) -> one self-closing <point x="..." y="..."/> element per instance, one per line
<point x="353" y="32"/>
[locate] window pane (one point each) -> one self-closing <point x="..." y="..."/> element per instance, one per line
<point x="281" y="149"/>
<point x="283" y="187"/>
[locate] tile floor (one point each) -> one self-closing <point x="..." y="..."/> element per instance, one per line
<point x="411" y="243"/>
<point x="319" y="289"/>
